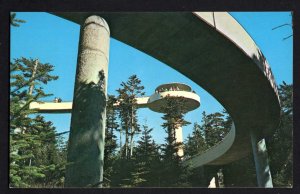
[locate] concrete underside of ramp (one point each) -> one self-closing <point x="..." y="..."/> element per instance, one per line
<point x="216" y="54"/>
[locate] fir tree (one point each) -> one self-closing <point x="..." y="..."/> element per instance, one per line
<point x="110" y="138"/>
<point x="227" y="123"/>
<point x="123" y="164"/>
<point x="128" y="93"/>
<point x="173" y="173"/>
<point x="214" y="128"/>
<point x="146" y="158"/>
<point x="33" y="147"/>
<point x="195" y="143"/>
<point x="280" y="145"/>
<point x="121" y="175"/>
<point x="139" y="173"/>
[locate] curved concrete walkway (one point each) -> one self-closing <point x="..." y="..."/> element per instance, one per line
<point x="214" y="51"/>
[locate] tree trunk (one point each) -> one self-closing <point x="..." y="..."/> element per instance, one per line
<point x="32" y="76"/>
<point x="132" y="133"/>
<point x="131" y="144"/>
<point x="126" y="143"/>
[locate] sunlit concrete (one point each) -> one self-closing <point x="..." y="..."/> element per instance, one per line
<point x="263" y="172"/>
<point x="51" y="107"/>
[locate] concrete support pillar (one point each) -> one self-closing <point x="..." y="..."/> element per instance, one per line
<point x="260" y="155"/>
<point x="86" y="141"/>
<point x="179" y="139"/>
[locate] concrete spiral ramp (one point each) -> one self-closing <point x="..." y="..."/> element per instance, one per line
<point x="214" y="51"/>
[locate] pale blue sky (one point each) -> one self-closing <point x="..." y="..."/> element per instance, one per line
<point x="55" y="41"/>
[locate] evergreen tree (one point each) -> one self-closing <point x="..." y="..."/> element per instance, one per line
<point x="110" y="138"/>
<point x="139" y="171"/>
<point x="128" y="93"/>
<point x="121" y="175"/>
<point x="22" y="173"/>
<point x="195" y="143"/>
<point x="214" y="128"/>
<point x="146" y="158"/>
<point x="227" y="123"/>
<point x="33" y="146"/>
<point x="173" y="173"/>
<point x="280" y="145"/>
<point x="123" y="164"/>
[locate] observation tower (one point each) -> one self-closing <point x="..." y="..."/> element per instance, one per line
<point x="157" y="101"/>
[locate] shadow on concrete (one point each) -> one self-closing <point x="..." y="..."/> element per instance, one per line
<point x="86" y="142"/>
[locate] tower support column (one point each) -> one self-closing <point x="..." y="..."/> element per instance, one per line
<point x="260" y="155"/>
<point x="87" y="134"/>
<point x="179" y="139"/>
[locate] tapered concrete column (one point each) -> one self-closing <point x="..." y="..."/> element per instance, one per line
<point x="260" y="155"/>
<point x="179" y="139"/>
<point x="86" y="141"/>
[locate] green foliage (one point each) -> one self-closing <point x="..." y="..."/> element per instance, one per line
<point x="215" y="127"/>
<point x="142" y="168"/>
<point x="110" y="139"/>
<point x="174" y="111"/>
<point x="14" y="21"/>
<point x="196" y="143"/>
<point x="35" y="155"/>
<point x="128" y="93"/>
<point x="280" y="145"/>
<point x="122" y="168"/>
<point x="173" y="173"/>
<point x="147" y="160"/>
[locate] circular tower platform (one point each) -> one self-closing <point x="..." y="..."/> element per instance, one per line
<point x="157" y="100"/>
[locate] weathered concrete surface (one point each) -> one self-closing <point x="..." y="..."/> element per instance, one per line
<point x="211" y="155"/>
<point x="263" y="172"/>
<point x="87" y="134"/>
<point x="215" y="53"/>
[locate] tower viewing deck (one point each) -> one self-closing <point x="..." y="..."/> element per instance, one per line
<point x="174" y="87"/>
<point x="157" y="100"/>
